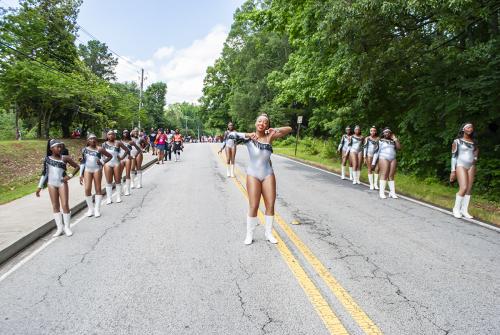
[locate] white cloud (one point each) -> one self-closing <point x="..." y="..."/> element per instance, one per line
<point x="163" y="53"/>
<point x="183" y="70"/>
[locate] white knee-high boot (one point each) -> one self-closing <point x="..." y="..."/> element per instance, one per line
<point x="59" y="224"/>
<point x="139" y="177"/>
<point x="343" y="172"/>
<point x="66" y="219"/>
<point x="119" y="192"/>
<point x="251" y="224"/>
<point x="90" y="205"/>
<point x="382" y="189"/>
<point x="350" y="173"/>
<point x="127" y="187"/>
<point x="358" y="174"/>
<point x="97" y="207"/>
<point x="232" y="170"/>
<point x="464" y="209"/>
<point x="354" y="177"/>
<point x="228" y="170"/>
<point x="375" y="181"/>
<point x="392" y="189"/>
<point x="269" y="229"/>
<point x="109" y="193"/>
<point x="370" y="179"/>
<point x="133" y="179"/>
<point x="458" y="205"/>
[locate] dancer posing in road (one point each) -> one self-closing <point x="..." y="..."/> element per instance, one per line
<point x="386" y="158"/>
<point x="464" y="154"/>
<point x="356" y="154"/>
<point x="137" y="158"/>
<point x="133" y="151"/>
<point x="160" y="142"/>
<point x="344" y="149"/>
<point x="230" y="146"/>
<point x="91" y="173"/>
<point x="178" y="145"/>
<point x="370" y="146"/>
<point x="260" y="175"/>
<point x="112" y="169"/>
<point x="54" y="175"/>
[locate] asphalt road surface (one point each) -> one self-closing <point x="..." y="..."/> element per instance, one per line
<point x="170" y="259"/>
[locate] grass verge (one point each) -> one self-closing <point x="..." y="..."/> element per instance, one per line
<point x="428" y="191"/>
<point x="21" y="165"/>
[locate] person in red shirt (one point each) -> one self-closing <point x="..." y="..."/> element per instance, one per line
<point x="161" y="141"/>
<point x="178" y="145"/>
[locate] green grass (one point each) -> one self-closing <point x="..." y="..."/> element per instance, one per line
<point x="21" y="165"/>
<point x="428" y="191"/>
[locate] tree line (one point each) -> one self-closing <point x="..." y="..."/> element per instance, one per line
<point x="420" y="67"/>
<point x="53" y="85"/>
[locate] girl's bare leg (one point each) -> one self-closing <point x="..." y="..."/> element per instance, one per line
<point x="56" y="209"/>
<point x="88" y="177"/>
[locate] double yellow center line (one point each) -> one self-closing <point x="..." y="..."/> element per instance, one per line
<point x="328" y="317"/>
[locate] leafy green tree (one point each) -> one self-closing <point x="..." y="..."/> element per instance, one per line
<point x="154" y="103"/>
<point x="99" y="59"/>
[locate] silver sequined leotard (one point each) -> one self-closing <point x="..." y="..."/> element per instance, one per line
<point x="386" y="150"/>
<point x="90" y="160"/>
<point x="260" y="156"/>
<point x="370" y="147"/>
<point x="113" y="151"/>
<point x="463" y="154"/>
<point x="344" y="143"/>
<point x="356" y="144"/>
<point x="53" y="172"/>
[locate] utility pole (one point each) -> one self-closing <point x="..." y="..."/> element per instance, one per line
<point x="140" y="99"/>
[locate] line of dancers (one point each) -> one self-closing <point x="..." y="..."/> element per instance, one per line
<point x="114" y="157"/>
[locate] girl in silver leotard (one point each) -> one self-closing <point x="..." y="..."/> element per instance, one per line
<point x="343" y="149"/>
<point x="356" y="154"/>
<point x="261" y="180"/>
<point x="385" y="156"/>
<point x="230" y="145"/>
<point x="133" y="148"/>
<point x="137" y="160"/>
<point x="54" y="175"/>
<point x="112" y="169"/>
<point x="370" y="147"/>
<point x="464" y="154"/>
<point x="91" y="173"/>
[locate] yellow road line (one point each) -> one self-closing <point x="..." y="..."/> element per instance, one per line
<point x="319" y="303"/>
<point x="362" y="319"/>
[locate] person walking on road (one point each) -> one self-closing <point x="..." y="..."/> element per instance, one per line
<point x="55" y="177"/>
<point x="133" y="151"/>
<point x="260" y="175"/>
<point x="160" y="142"/>
<point x="356" y="154"/>
<point x="344" y="149"/>
<point x="230" y="146"/>
<point x="464" y="154"/>
<point x="386" y="158"/>
<point x="152" y="139"/>
<point x="112" y="169"/>
<point x="178" y="145"/>
<point x="370" y="146"/>
<point x="91" y="173"/>
<point x="137" y="158"/>
<point x="168" y="146"/>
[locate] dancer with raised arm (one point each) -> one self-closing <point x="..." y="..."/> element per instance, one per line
<point x="112" y="169"/>
<point x="55" y="177"/>
<point x="344" y="149"/>
<point x="386" y="158"/>
<point x="261" y="180"/>
<point x="464" y="154"/>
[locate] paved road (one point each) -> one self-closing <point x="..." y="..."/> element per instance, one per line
<point x="170" y="260"/>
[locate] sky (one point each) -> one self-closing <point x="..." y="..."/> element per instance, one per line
<point x="173" y="40"/>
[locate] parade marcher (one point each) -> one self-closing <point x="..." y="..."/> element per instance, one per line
<point x="112" y="168"/>
<point x="133" y="151"/>
<point x="260" y="175"/>
<point x="91" y="173"/>
<point x="370" y="146"/>
<point x="464" y="154"/>
<point x="356" y="154"/>
<point x="160" y="142"/>
<point x="55" y="177"/>
<point x="230" y="146"/>
<point x="385" y="156"/>
<point x="344" y="149"/>
<point x="137" y="158"/>
<point x="168" y="146"/>
<point x="178" y="145"/>
<point x="152" y="139"/>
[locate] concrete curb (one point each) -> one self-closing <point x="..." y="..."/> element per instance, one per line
<point x="485" y="224"/>
<point x="25" y="241"/>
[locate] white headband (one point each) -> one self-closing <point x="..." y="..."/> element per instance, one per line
<point x="467" y="125"/>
